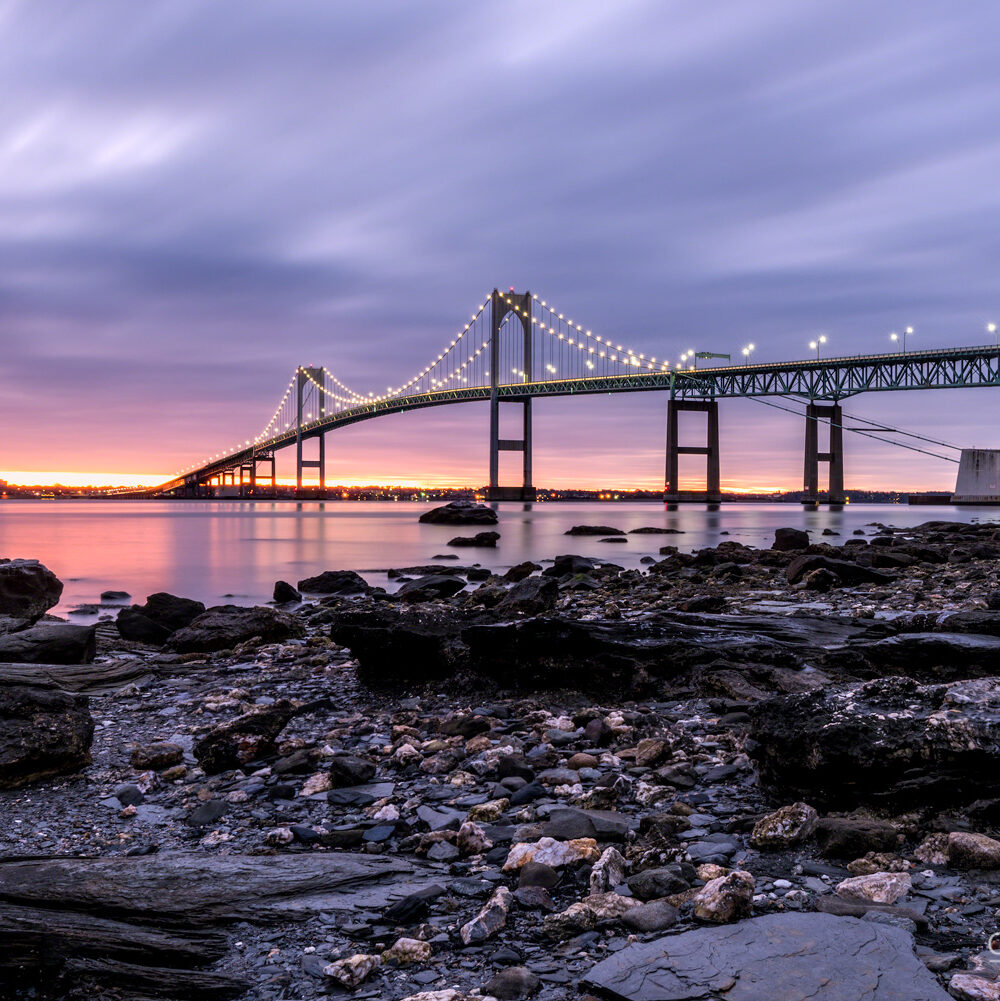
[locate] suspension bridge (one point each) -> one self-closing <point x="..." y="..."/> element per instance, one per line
<point x="517" y="347"/>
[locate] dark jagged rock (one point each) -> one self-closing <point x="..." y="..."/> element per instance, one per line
<point x="336" y="582"/>
<point x="42" y="733"/>
<point x="28" y="589"/>
<point x="460" y="513"/>
<point x="593" y="530"/>
<point x="350" y="770"/>
<point x="783" y="957"/>
<point x="226" y="626"/>
<point x="850" y="838"/>
<point x="284" y="593"/>
<point x="924" y="656"/>
<point x="652" y="530"/>
<point x="485" y="540"/>
<point x="570" y="564"/>
<point x="115" y="596"/>
<point x="49" y="643"/>
<point x="521" y="571"/>
<point x="846" y="572"/>
<point x="531" y="596"/>
<point x="890" y="743"/>
<point x="154" y="621"/>
<point x="247" y="738"/>
<point x="789" y="539"/>
<point x="430" y="587"/>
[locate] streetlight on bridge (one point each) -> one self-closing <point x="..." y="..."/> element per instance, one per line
<point x="992" y="329"/>
<point x="816" y="343"/>
<point x="748" y="352"/>
<point x="895" y="337"/>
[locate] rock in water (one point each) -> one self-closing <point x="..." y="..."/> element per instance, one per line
<point x="892" y="742"/>
<point x="431" y="586"/>
<point x="335" y="582"/>
<point x="42" y="733"/>
<point x="162" y="615"/>
<point x="593" y="530"/>
<point x="781" y="957"/>
<point x="788" y="539"/>
<point x="226" y="626"/>
<point x="460" y="513"/>
<point x="487" y="540"/>
<point x="28" y="589"/>
<point x="49" y="643"/>
<point x="243" y="739"/>
<point x="284" y="593"/>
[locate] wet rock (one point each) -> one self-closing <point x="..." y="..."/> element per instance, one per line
<point x="552" y="853"/>
<point x="726" y="898"/>
<point x="353" y="970"/>
<point x="28" y="589"/>
<point x="785" y="827"/>
<point x="226" y="626"/>
<point x="512" y="984"/>
<point x="483" y="540"/>
<point x="531" y="596"/>
<point x="850" y="838"/>
<point x="891" y="742"/>
<point x="244" y="739"/>
<point x="781" y="957"/>
<point x="284" y="593"/>
<point x="42" y="733"/>
<point x="879" y="887"/>
<point x="844" y="572"/>
<point x="593" y="530"/>
<point x="587" y="914"/>
<point x="161" y="615"/>
<point x="460" y="513"/>
<point x="608" y="871"/>
<point x="156" y="756"/>
<point x="788" y="539"/>
<point x="490" y="919"/>
<point x="350" y="770"/>
<point x="657" y="915"/>
<point x="49" y="643"/>
<point x="430" y="587"/>
<point x="973" y="851"/>
<point x="345" y="582"/>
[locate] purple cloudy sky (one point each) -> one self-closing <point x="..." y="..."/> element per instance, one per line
<point x="196" y="197"/>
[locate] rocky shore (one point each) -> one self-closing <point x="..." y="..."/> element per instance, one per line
<point x="736" y="773"/>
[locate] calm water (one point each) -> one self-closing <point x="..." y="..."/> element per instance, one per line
<point x="217" y="551"/>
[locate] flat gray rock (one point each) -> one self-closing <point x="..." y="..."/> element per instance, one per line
<point x="781" y="957"/>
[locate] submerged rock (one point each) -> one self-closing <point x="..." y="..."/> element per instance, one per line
<point x="335" y="582"/>
<point x="486" y="540"/>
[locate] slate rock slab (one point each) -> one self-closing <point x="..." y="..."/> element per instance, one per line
<point x="49" y="643"/>
<point x="781" y="957"/>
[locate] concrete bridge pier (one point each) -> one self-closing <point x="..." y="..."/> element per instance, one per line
<point x="499" y="310"/>
<point x="815" y="412"/>
<point x="306" y="378"/>
<point x="712" y="494"/>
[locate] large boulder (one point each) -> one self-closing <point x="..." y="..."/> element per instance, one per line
<point x="28" y="589"/>
<point x="460" y="512"/>
<point x="891" y="743"/>
<point x="343" y="582"/>
<point x="846" y="572"/>
<point x="154" y="621"/>
<point x="49" y="643"/>
<point x="781" y="957"/>
<point x="788" y="539"/>
<point x="42" y="733"/>
<point x="226" y="626"/>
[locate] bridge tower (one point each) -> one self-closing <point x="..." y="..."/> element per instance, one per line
<point x="672" y="493"/>
<point x="306" y="377"/>
<point x="813" y="456"/>
<point x="520" y="308"/>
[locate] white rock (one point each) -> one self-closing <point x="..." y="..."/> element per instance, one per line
<point x="967" y="987"/>
<point x="552" y="853"/>
<point x="472" y="839"/>
<point x="785" y="827"/>
<point x="317" y="782"/>
<point x="879" y="887"/>
<point x="388" y="812"/>
<point x="352" y="971"/>
<point x="608" y="871"/>
<point x="726" y="898"/>
<point x="408" y="950"/>
<point x="490" y="919"/>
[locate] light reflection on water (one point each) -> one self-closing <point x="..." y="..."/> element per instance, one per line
<point x="219" y="551"/>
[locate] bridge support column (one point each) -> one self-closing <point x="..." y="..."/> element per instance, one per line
<point x="813" y="456"/>
<point x="306" y="378"/>
<point x="712" y="493"/>
<point x="499" y="309"/>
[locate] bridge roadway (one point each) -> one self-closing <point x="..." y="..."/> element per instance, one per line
<point x="826" y="379"/>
